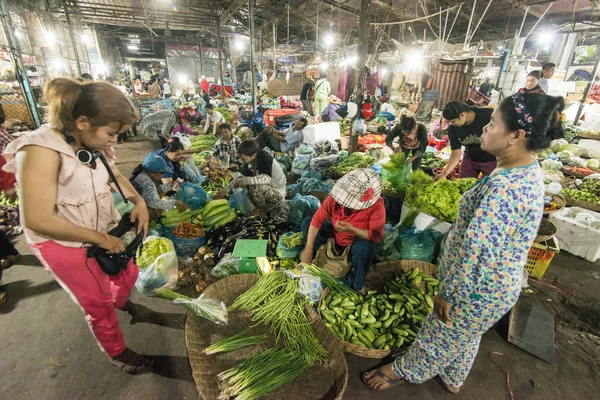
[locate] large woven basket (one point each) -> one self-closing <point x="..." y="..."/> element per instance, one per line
<point x="589" y="135"/>
<point x="560" y="201"/>
<point x="319" y="382"/>
<point x="546" y="231"/>
<point x="583" y="204"/>
<point x="376" y="279"/>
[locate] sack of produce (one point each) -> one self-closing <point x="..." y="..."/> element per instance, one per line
<point x="192" y="172"/>
<point x="301" y="163"/>
<point x="306" y="175"/>
<point x="388" y="250"/>
<point x="292" y="190"/>
<point x="209" y="309"/>
<point x="418" y="245"/>
<point x="302" y="207"/>
<point x="290" y="245"/>
<point x="187" y="238"/>
<point x="280" y="212"/>
<point x="314" y="185"/>
<point x="285" y="163"/>
<point x="228" y="265"/>
<point x="399" y="169"/>
<point x="326" y="147"/>
<point x="157" y="261"/>
<point x="322" y="164"/>
<point x="240" y="201"/>
<point x="192" y="195"/>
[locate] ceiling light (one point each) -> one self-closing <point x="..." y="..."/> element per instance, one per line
<point x="329" y="39"/>
<point x="182" y="78"/>
<point x="50" y="38"/>
<point x="239" y="45"/>
<point x="414" y="60"/>
<point x="324" y="66"/>
<point x="133" y="47"/>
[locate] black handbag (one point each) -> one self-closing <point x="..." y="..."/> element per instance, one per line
<point x="113" y="263"/>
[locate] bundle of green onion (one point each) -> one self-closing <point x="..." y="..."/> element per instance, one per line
<point x="261" y="374"/>
<point x="237" y="341"/>
<point x="330" y="282"/>
<point x="275" y="302"/>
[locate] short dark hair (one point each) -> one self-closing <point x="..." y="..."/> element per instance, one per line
<point x="545" y="112"/>
<point x="536" y="74"/>
<point x="87" y="76"/>
<point x="210" y="107"/>
<point x="224" y="126"/>
<point x="407" y="124"/>
<point x="454" y="108"/>
<point x="248" y="148"/>
<point x="304" y="122"/>
<point x="547" y="66"/>
<point x="174" y="145"/>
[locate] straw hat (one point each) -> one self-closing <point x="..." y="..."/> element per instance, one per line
<point x="358" y="189"/>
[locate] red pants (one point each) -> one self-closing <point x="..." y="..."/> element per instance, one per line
<point x="97" y="293"/>
<point x="472" y="169"/>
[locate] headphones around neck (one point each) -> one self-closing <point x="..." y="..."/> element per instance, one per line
<point x="85" y="155"/>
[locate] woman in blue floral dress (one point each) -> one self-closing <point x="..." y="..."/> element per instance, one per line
<point x="486" y="249"/>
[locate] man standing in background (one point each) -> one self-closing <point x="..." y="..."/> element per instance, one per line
<point x="322" y="91"/>
<point x="167" y="88"/>
<point x="547" y="74"/>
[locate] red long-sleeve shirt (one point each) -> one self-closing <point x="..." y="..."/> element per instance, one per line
<point x="372" y="219"/>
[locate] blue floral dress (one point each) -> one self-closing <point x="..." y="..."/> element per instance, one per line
<point x="481" y="269"/>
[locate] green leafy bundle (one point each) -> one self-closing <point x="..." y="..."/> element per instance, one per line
<point x="439" y="199"/>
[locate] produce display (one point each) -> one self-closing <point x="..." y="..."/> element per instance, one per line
<point x="578" y="171"/>
<point x="386" y="320"/>
<point x="398" y="171"/>
<point x="201" y="159"/>
<point x="208" y="309"/>
<point x="294" y="240"/>
<point x="439" y="199"/>
<point x="217" y="213"/>
<point x="187" y="230"/>
<point x="588" y="190"/>
<point x="151" y="250"/>
<point x="226" y="113"/>
<point x="4" y="202"/>
<point x="237" y="341"/>
<point x="430" y="162"/>
<point x="354" y="161"/>
<point x="202" y="142"/>
<point x="175" y="217"/>
<point x="218" y="178"/>
<point x="196" y="272"/>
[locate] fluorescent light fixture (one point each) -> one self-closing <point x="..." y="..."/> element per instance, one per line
<point x="50" y="38"/>
<point x="324" y="66"/>
<point x="329" y="39"/>
<point x="133" y="47"/>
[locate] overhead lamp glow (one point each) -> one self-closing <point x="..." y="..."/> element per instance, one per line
<point x="86" y="37"/>
<point x="384" y="71"/>
<point x="349" y="60"/>
<point x="57" y="64"/>
<point x="103" y="68"/>
<point x="329" y="39"/>
<point x="324" y="66"/>
<point x="133" y="47"/>
<point x="545" y="37"/>
<point x="500" y="47"/>
<point x="182" y="79"/>
<point x="414" y="60"/>
<point x="50" y="38"/>
<point x="239" y="45"/>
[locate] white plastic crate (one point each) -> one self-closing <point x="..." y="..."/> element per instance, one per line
<point x="576" y="237"/>
<point x="426" y="221"/>
<point x="323" y="131"/>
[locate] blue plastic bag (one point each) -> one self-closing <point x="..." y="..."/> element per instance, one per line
<point x="418" y="245"/>
<point x="388" y="250"/>
<point x="302" y="207"/>
<point x="314" y="185"/>
<point x="192" y="195"/>
<point x="311" y="175"/>
<point x="282" y="251"/>
<point x="240" y="201"/>
<point x="192" y="172"/>
<point x="184" y="247"/>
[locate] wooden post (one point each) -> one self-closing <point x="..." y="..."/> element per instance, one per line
<point x="253" y="68"/>
<point x="274" y="49"/>
<point x="220" y="57"/>
<point x="359" y="90"/>
<point x="72" y="36"/>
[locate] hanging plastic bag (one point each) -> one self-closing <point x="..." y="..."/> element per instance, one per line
<point x="192" y="195"/>
<point x="359" y="126"/>
<point x="283" y="251"/>
<point x="302" y="207"/>
<point x="192" y="172"/>
<point x="157" y="261"/>
<point x="228" y="265"/>
<point x="185" y="141"/>
<point x="210" y="309"/>
<point x="184" y="247"/>
<point x="240" y="201"/>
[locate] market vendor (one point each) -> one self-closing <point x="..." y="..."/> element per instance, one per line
<point x="439" y="130"/>
<point x="329" y="113"/>
<point x="466" y="128"/>
<point x="66" y="205"/>
<point x="225" y="147"/>
<point x="532" y="84"/>
<point x="412" y="139"/>
<point x="261" y="174"/>
<point x="283" y="141"/>
<point x="172" y="154"/>
<point x="481" y="265"/>
<point x="147" y="180"/>
<point x="307" y="97"/>
<point x="154" y="88"/>
<point x="387" y="110"/>
<point x="354" y="214"/>
<point x="159" y="125"/>
<point x="214" y="118"/>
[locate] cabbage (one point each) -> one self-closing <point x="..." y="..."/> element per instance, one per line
<point x="551" y="165"/>
<point x="556" y="145"/>
<point x="593" y="163"/>
<point x="576" y="162"/>
<point x="564" y="155"/>
<point x="573" y="148"/>
<point x="544" y="153"/>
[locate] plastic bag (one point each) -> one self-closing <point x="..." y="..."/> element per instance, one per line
<point x="285" y="163"/>
<point x="313" y="185"/>
<point x="388" y="250"/>
<point x="192" y="172"/>
<point x="301" y="163"/>
<point x="185" y="141"/>
<point x="302" y="207"/>
<point x="184" y="247"/>
<point x="122" y="207"/>
<point x="162" y="273"/>
<point x="326" y="147"/>
<point x="310" y="286"/>
<point x="305" y="149"/>
<point x="210" y="309"/>
<point x="280" y="212"/>
<point x="418" y="245"/>
<point x="192" y="195"/>
<point x="359" y="126"/>
<point x="228" y="265"/>
<point x="322" y="164"/>
<point x="282" y="251"/>
<point x="240" y="201"/>
<point x="311" y="175"/>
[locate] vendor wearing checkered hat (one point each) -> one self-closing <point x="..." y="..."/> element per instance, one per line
<point x="354" y="215"/>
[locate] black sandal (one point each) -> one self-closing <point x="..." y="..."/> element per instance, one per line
<point x="390" y="381"/>
<point x="443" y="384"/>
<point x="133" y="362"/>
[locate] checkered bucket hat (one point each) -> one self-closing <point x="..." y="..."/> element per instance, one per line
<point x="358" y="189"/>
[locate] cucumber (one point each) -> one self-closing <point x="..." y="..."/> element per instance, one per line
<point x="365" y="341"/>
<point x="335" y="302"/>
<point x="357" y="342"/>
<point x="389" y="321"/>
<point x="375" y="325"/>
<point x="368" y="320"/>
<point x="369" y="335"/>
<point x="429" y="300"/>
<point x="399" y="342"/>
<point x="386" y="315"/>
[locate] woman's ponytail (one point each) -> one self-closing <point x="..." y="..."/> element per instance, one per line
<point x="62" y="94"/>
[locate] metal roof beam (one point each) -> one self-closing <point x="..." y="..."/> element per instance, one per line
<point x="521" y="6"/>
<point x="233" y="8"/>
<point x="343" y="7"/>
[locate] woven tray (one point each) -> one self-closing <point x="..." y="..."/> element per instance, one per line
<point x="589" y="135"/>
<point x="376" y="279"/>
<point x="546" y="231"/>
<point x="583" y="204"/>
<point x="319" y="382"/>
<point x="558" y="199"/>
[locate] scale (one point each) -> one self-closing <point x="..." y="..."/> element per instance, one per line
<point x="252" y="254"/>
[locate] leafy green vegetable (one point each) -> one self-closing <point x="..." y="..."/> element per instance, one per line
<point x="439" y="199"/>
<point x="399" y="170"/>
<point x="354" y="161"/>
<point x="151" y="250"/>
<point x="419" y="177"/>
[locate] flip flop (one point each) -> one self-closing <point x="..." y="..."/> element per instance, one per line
<point x="134" y="364"/>
<point x="391" y="382"/>
<point x="439" y="380"/>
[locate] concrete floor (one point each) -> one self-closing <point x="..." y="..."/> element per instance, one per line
<point x="49" y="353"/>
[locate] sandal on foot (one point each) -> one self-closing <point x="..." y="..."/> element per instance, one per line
<point x="132" y="362"/>
<point x="2" y="298"/>
<point x="443" y="384"/>
<point x="391" y="382"/>
<point x="9" y="261"/>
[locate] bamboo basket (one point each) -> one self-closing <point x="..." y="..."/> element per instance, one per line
<point x="583" y="204"/>
<point x="376" y="279"/>
<point x="546" y="231"/>
<point x="322" y="382"/>
<point x="558" y="199"/>
<point x="589" y="135"/>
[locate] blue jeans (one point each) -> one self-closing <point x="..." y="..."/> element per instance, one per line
<point x="362" y="253"/>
